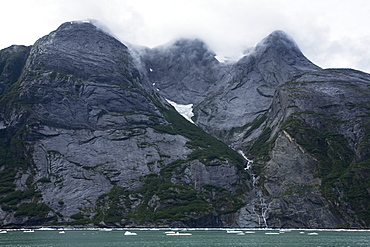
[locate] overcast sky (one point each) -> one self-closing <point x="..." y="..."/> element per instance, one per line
<point x="331" y="33"/>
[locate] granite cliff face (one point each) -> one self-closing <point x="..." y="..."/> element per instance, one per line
<point x="88" y="137"/>
<point x="325" y="115"/>
<point x="85" y="140"/>
<point x="225" y="96"/>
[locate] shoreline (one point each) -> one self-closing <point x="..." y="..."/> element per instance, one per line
<point x="66" y="228"/>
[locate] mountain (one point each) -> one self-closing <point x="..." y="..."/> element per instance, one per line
<point x="89" y="135"/>
<point x="85" y="140"/>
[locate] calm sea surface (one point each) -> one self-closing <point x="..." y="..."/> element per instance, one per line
<point x="92" y="238"/>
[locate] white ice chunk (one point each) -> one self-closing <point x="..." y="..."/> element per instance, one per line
<point x="185" y="110"/>
<point x="151" y="70"/>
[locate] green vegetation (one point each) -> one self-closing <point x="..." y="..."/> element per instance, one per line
<point x="167" y="171"/>
<point x="214" y="188"/>
<point x="308" y="113"/>
<point x="7" y="181"/>
<point x="331" y="149"/>
<point x="255" y="124"/>
<point x="80" y="219"/>
<point x="343" y="180"/>
<point x="356" y="183"/>
<point x="11" y="68"/>
<point x="159" y="199"/>
<point x="260" y="149"/>
<point x="33" y="209"/>
<point x="351" y="188"/>
<point x="112" y="206"/>
<point x="44" y="180"/>
<point x="206" y="147"/>
<point x="262" y="145"/>
<point x="221" y="200"/>
<point x="329" y="106"/>
<point x="15" y="197"/>
<point x="162" y="200"/>
<point x="13" y="159"/>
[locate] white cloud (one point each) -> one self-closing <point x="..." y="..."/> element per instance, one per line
<point x="330" y="33"/>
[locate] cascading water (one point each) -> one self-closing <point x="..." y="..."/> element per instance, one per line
<point x="260" y="207"/>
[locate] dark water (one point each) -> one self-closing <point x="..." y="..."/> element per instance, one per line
<point x="144" y="238"/>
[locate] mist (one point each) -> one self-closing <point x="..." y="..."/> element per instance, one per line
<point x="330" y="33"/>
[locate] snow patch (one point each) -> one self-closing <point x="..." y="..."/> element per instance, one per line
<point x="221" y="59"/>
<point x="235" y="56"/>
<point x="185" y="110"/>
<point x="228" y="59"/>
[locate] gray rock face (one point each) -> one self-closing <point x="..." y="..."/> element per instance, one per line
<point x="83" y="165"/>
<point x="276" y="81"/>
<point x="226" y="96"/>
<point x="289" y="179"/>
<point x="333" y="100"/>
<point x="81" y="49"/>
<point x="88" y="79"/>
<point x="12" y="61"/>
<point x="222" y="175"/>
<point x="87" y="137"/>
<point x="323" y="114"/>
<point x="91" y="126"/>
<point x="287" y="193"/>
<point x="184" y="71"/>
<point x="250" y="90"/>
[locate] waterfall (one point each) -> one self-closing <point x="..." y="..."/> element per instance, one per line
<point x="249" y="162"/>
<point x="260" y="206"/>
<point x="264" y="209"/>
<point x="254" y="180"/>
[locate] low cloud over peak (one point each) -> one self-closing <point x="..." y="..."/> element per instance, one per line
<point x="330" y="33"/>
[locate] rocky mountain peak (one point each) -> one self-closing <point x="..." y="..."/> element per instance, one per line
<point x="80" y="48"/>
<point x="87" y="137"/>
<point x="183" y="69"/>
<point x="278" y="38"/>
<point x="279" y="58"/>
<point x="186" y="45"/>
<point x="82" y="35"/>
<point x="191" y="50"/>
<point x="281" y="48"/>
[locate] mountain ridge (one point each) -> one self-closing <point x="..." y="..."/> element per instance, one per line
<point x="88" y="138"/>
